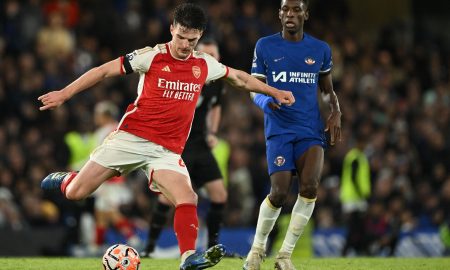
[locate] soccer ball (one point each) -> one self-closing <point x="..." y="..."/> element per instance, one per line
<point x="121" y="257"/>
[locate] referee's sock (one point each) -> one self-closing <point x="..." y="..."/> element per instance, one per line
<point x="214" y="221"/>
<point x="159" y="219"/>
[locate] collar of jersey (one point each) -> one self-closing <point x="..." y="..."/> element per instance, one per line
<point x="305" y="36"/>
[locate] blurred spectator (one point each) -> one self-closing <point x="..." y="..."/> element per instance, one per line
<point x="355" y="191"/>
<point x="115" y="193"/>
<point x="10" y="216"/>
<point x="54" y="40"/>
<point x="241" y="204"/>
<point x="67" y="8"/>
<point x="394" y="75"/>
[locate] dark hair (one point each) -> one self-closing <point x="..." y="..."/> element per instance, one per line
<point x="190" y="16"/>
<point x="306" y="2"/>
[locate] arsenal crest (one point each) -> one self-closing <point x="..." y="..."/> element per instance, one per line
<point x="196" y="71"/>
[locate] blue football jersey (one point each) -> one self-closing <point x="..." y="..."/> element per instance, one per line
<point x="293" y="66"/>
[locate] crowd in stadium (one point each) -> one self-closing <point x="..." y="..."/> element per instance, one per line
<point x="394" y="92"/>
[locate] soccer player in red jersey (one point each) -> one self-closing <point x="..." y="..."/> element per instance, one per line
<point x="153" y="131"/>
<point x="201" y="164"/>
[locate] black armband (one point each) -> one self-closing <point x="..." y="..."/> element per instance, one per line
<point x="126" y="63"/>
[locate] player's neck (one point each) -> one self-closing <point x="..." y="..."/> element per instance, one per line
<point x="295" y="37"/>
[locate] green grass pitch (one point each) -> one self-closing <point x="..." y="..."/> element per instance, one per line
<point x="226" y="264"/>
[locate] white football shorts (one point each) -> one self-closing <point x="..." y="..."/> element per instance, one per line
<point x="125" y="152"/>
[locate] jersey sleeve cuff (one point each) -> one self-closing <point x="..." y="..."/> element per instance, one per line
<point x="259" y="75"/>
<point x="326" y="71"/>
<point x="121" y="65"/>
<point x="226" y="72"/>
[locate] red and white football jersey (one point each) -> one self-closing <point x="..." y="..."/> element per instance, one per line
<point x="167" y="93"/>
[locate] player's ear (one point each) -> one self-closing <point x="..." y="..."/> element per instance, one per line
<point x="306" y="14"/>
<point x="279" y="13"/>
<point x="172" y="28"/>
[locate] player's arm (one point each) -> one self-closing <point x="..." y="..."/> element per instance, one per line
<point x="244" y="81"/>
<point x="253" y="94"/>
<point x="323" y="100"/>
<point x="265" y="103"/>
<point x="55" y="99"/>
<point x="334" y="119"/>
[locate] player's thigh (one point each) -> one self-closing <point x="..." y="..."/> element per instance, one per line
<point x="168" y="174"/>
<point x="175" y="186"/>
<point x="163" y="199"/>
<point x="280" y="154"/>
<point x="280" y="183"/>
<point x="90" y="177"/>
<point x="310" y="165"/>
<point x="124" y="152"/>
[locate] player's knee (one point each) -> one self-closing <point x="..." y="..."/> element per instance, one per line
<point x="309" y="190"/>
<point x="278" y="199"/>
<point x="187" y="198"/>
<point x="194" y="197"/>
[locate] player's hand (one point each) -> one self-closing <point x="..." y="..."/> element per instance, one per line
<point x="270" y="104"/>
<point x="52" y="100"/>
<point x="334" y="126"/>
<point x="284" y="97"/>
<point x="274" y="106"/>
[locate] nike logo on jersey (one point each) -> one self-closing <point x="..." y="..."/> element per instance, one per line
<point x="278" y="59"/>
<point x="166" y="69"/>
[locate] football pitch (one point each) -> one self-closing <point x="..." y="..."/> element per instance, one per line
<point x="228" y="264"/>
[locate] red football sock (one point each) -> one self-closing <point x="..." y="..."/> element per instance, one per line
<point x="67" y="181"/>
<point x="100" y="232"/>
<point x="185" y="225"/>
<point x="125" y="227"/>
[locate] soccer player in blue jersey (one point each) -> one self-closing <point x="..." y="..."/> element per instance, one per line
<point x="295" y="135"/>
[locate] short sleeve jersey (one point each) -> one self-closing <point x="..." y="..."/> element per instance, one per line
<point x="293" y="66"/>
<point x="167" y="93"/>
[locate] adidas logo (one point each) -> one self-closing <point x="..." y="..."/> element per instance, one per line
<point x="166" y="69"/>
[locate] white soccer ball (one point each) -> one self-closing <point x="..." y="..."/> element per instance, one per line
<point x="121" y="257"/>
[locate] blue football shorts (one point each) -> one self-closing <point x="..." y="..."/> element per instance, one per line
<point x="283" y="150"/>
